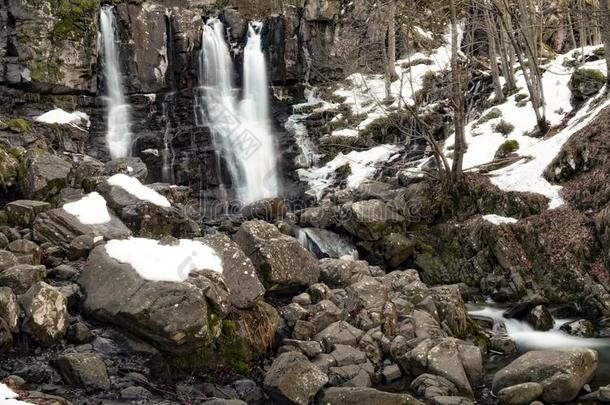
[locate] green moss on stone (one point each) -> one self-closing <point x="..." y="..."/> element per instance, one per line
<point x="20" y="125"/>
<point x="74" y="16"/>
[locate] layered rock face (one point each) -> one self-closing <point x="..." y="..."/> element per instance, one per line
<point x="54" y="50"/>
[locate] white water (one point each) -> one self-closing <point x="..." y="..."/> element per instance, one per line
<point x="527" y="338"/>
<point x="118" y="134"/>
<point x="241" y="128"/>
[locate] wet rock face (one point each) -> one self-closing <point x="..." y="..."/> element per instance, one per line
<point x="562" y="373"/>
<point x="47" y="48"/>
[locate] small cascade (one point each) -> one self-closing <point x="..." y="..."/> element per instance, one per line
<point x="167" y="171"/>
<point x="324" y="243"/>
<point x="241" y="129"/>
<point x="118" y="135"/>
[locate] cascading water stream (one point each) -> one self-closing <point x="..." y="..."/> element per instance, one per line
<point x="118" y="135"/>
<point x="261" y="165"/>
<point x="241" y="129"/>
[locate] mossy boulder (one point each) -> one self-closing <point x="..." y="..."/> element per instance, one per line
<point x="586" y="83"/>
<point x="508" y="147"/>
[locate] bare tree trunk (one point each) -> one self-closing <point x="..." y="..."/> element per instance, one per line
<point x="604" y="18"/>
<point x="531" y="71"/>
<point x="392" y="41"/>
<point x="458" y="100"/>
<point x="493" y="57"/>
<point x="571" y="27"/>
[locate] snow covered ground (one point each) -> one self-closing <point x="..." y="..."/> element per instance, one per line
<point x="138" y="190"/>
<point x="527" y="176"/>
<point x="363" y="166"/>
<point x="364" y="94"/>
<point x="157" y="262"/>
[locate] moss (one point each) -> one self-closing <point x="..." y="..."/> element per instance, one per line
<point x="520" y="97"/>
<point x="507" y="147"/>
<point x="491" y="115"/>
<point x="504" y="127"/>
<point x="19" y="125"/>
<point x="522" y="104"/>
<point x="74" y="18"/>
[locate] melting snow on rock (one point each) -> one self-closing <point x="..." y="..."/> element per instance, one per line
<point x="157" y="262"/>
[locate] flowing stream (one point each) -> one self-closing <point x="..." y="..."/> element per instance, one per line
<point x="118" y="135"/>
<point x="527" y="338"/>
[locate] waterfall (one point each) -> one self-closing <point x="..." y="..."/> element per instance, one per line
<point x="240" y="128"/>
<point x="261" y="165"/>
<point x="118" y="134"/>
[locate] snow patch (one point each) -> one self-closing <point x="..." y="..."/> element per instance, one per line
<point x="58" y="116"/>
<point x="157" y="262"/>
<point x="8" y="396"/>
<point x="499" y="220"/>
<point x="138" y="190"/>
<point x="363" y="165"/>
<point x="89" y="210"/>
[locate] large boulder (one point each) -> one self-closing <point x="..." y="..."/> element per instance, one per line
<point x="22" y="276"/>
<point x="146" y="212"/>
<point x="280" y="260"/>
<point x="562" y="373"/>
<point x="268" y="209"/>
<point x="238" y="272"/>
<point x="371" y="220"/>
<point x="23" y="212"/>
<point x="60" y="227"/>
<point x="340" y="273"/>
<point x="175" y="316"/>
<point x="9" y="308"/>
<point x="83" y="370"/>
<point x="46" y="315"/>
<point x="45" y="175"/>
<point x="361" y="395"/>
<point x="585" y="83"/>
<point x="293" y="379"/>
<point x="131" y="166"/>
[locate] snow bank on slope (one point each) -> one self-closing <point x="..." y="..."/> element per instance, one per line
<point x="363" y="166"/>
<point x="90" y="210"/>
<point x="499" y="220"/>
<point x="527" y="176"/>
<point x="157" y="262"/>
<point x="483" y="141"/>
<point x="138" y="190"/>
<point x="365" y="93"/>
<point x="59" y="116"/>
